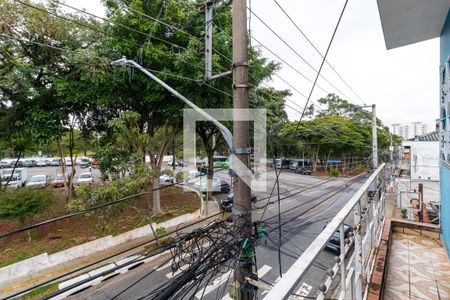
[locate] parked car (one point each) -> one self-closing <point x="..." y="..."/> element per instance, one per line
<point x="41" y="163"/>
<point x="227" y="202"/>
<point x="217" y="185"/>
<point x="16" y="180"/>
<point x="166" y="178"/>
<point x="55" y="162"/>
<point x="304" y="167"/>
<point x="95" y="163"/>
<point x="85" y="178"/>
<point x="304" y="170"/>
<point x="181" y="163"/>
<point x="4" y="164"/>
<point x="293" y="164"/>
<point x="27" y="163"/>
<point x="38" y="181"/>
<point x="278" y="162"/>
<point x="58" y="182"/>
<point x="334" y="244"/>
<point x="170" y="163"/>
<point x="85" y="163"/>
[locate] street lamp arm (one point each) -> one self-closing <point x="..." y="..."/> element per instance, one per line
<point x="228" y="136"/>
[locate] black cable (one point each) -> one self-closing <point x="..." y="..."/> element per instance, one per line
<point x="317" y="50"/>
<point x="109" y="257"/>
<point x="46" y="222"/>
<point x="298" y="54"/>
<point x="323" y="60"/>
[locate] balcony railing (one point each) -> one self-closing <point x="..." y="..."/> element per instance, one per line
<point x="364" y="213"/>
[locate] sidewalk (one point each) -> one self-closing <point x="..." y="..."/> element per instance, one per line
<point x="136" y="246"/>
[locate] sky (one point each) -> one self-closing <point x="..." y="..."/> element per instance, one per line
<point x="403" y="82"/>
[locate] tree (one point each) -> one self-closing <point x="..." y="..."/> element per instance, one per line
<point x="24" y="203"/>
<point x="33" y="70"/>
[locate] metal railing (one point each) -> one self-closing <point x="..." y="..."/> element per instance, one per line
<point x="364" y="214"/>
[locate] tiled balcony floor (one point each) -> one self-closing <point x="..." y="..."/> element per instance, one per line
<point x="418" y="268"/>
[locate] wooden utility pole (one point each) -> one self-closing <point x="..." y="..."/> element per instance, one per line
<point x="242" y="192"/>
<point x="374" y="138"/>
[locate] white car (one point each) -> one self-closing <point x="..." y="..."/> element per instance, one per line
<point x="38" y="181"/>
<point x="202" y="184"/>
<point x="166" y="178"/>
<point x="85" y="178"/>
<point x="41" y="163"/>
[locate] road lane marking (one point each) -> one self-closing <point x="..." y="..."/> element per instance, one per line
<point x="216" y="283"/>
<point x="180" y="269"/>
<point x="168" y="264"/>
<point x="263" y="270"/>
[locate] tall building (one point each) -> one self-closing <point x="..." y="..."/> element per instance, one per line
<point x="409" y="131"/>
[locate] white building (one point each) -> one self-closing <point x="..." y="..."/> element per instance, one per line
<point x="408" y="131"/>
<point x="424" y="156"/>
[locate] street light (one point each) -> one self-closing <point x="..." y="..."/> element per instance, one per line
<point x="227" y="135"/>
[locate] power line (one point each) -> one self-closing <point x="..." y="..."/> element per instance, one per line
<point x="297" y="54"/>
<point x="324" y="57"/>
<point x="317" y="50"/>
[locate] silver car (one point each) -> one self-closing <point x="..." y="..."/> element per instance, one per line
<point x="38" y="181"/>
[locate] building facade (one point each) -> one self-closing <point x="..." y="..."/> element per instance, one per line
<point x="406" y="22"/>
<point x="408" y="131"/>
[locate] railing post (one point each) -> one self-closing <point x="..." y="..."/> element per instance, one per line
<point x="357" y="293"/>
<point x="342" y="258"/>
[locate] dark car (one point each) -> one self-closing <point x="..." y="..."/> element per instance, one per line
<point x="334" y="244"/>
<point x="304" y="170"/>
<point x="224" y="187"/>
<point x="227" y="202"/>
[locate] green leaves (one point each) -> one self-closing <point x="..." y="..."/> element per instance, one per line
<point x="24" y="203"/>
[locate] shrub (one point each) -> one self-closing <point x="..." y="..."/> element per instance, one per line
<point x="334" y="172"/>
<point x="180" y="176"/>
<point x="160" y="231"/>
<point x="24" y="203"/>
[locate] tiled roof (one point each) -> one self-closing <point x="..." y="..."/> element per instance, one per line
<point x="429" y="137"/>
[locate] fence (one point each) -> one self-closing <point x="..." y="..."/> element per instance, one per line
<point x="365" y="212"/>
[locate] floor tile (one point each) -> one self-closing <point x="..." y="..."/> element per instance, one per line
<point x="444" y="289"/>
<point x="423" y="288"/>
<point x="423" y="270"/>
<point x="392" y="294"/>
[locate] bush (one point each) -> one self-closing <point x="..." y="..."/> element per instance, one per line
<point x="334" y="172"/>
<point x="24" y="203"/>
<point x="181" y="176"/>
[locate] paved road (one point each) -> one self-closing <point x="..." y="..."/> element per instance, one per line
<point x="310" y="205"/>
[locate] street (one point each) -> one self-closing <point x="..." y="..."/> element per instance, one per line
<point x="307" y="204"/>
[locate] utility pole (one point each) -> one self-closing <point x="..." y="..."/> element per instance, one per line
<point x="209" y="5"/>
<point x="173" y="159"/>
<point x="208" y="39"/>
<point x="242" y="216"/>
<point x="374" y="138"/>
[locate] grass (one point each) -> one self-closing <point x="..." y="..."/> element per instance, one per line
<point x="41" y="292"/>
<point x="81" y="229"/>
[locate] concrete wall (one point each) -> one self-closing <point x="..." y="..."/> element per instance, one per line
<point x="424" y="157"/>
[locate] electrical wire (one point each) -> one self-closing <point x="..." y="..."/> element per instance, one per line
<point x="317" y="50"/>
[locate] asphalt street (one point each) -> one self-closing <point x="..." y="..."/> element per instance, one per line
<point x="306" y="204"/>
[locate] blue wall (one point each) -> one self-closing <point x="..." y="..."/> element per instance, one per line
<point x="445" y="205"/>
<point x="445" y="166"/>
